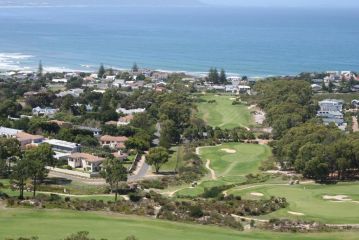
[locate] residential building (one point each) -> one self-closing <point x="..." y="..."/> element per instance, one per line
<point x="316" y="87"/>
<point x="85" y="161"/>
<point x="331" y="111"/>
<point x="113" y="142"/>
<point x="64" y="147"/>
<point x="95" y="131"/>
<point x="130" y="111"/>
<point x="73" y="92"/>
<point x="123" y="121"/>
<point x="27" y="139"/>
<point x="59" y="80"/>
<point x="8" y="132"/>
<point x="47" y="112"/>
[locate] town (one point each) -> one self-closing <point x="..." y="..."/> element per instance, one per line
<point x="143" y="142"/>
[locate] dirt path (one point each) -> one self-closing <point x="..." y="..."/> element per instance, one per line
<point x="355" y="124"/>
<point x="213" y="173"/>
<point x="249" y="218"/>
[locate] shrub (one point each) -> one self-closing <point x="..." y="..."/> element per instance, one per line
<point x="54" y="198"/>
<point x="196" y="212"/>
<point x="135" y="197"/>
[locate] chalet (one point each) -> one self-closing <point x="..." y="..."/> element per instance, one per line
<point x="87" y="162"/>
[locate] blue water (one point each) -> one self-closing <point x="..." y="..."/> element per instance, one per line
<point x="248" y="41"/>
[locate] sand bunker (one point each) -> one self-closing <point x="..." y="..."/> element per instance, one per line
<point x="257" y="194"/>
<point x="340" y="198"/>
<point x="296" y="213"/>
<point x="233" y="98"/>
<point x="227" y="150"/>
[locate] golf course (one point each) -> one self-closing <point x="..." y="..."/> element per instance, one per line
<point x="218" y="111"/>
<point x="230" y="163"/>
<point x="57" y="224"/>
<point x="336" y="204"/>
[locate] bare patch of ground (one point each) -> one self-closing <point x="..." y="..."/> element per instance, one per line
<point x="339" y="198"/>
<point x="227" y="150"/>
<point x="296" y="213"/>
<point x="257" y="194"/>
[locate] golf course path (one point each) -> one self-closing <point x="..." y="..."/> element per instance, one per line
<point x="213" y="174"/>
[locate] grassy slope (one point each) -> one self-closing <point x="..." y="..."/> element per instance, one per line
<point x="229" y="168"/>
<point x="308" y="200"/>
<point x="55" y="225"/>
<point x="222" y="113"/>
<point x="246" y="160"/>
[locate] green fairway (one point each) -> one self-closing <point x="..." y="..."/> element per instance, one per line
<point x="307" y="200"/>
<point x="222" y="113"/>
<point x="235" y="159"/>
<point x="229" y="167"/>
<point x="56" y="224"/>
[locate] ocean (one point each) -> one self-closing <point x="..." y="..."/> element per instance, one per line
<point x="245" y="41"/>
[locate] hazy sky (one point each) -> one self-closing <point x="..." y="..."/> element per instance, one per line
<point x="287" y="3"/>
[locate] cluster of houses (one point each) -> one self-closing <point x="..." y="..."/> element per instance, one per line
<point x="70" y="151"/>
<point x="335" y="78"/>
<point x="236" y="85"/>
<point x="331" y="111"/>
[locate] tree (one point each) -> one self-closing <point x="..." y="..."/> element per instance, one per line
<point x="9" y="151"/>
<point x="19" y="174"/>
<point x="135" y="67"/>
<point x="38" y="158"/>
<point x="114" y="173"/>
<point x="81" y="236"/>
<point x="40" y="70"/>
<point x="157" y="157"/>
<point x="101" y="71"/>
<point x="169" y="134"/>
<point x="223" y="77"/>
<point x="213" y="76"/>
<point x="137" y="143"/>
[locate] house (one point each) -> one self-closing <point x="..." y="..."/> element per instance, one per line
<point x="113" y="141"/>
<point x="331" y="111"/>
<point x="87" y="162"/>
<point x="123" y="121"/>
<point x="160" y="75"/>
<point x="94" y="75"/>
<point x="95" y="131"/>
<point x="63" y="148"/>
<point x="73" y="92"/>
<point x="244" y="89"/>
<point x="316" y="87"/>
<point x="355" y="103"/>
<point x="8" y="132"/>
<point x="59" y="80"/>
<point x="130" y="111"/>
<point x="118" y="83"/>
<point x="26" y="139"/>
<point x="110" y="78"/>
<point x="47" y="112"/>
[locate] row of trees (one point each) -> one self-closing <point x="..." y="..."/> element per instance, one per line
<point x="319" y="152"/>
<point x="21" y="166"/>
<point x="216" y="77"/>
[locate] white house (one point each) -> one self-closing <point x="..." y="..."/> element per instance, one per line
<point x="59" y="80"/>
<point x="87" y="162"/>
<point x="63" y="148"/>
<point x="47" y="112"/>
<point x="76" y="92"/>
<point x="130" y="111"/>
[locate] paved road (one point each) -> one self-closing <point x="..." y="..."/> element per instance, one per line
<point x="141" y="171"/>
<point x="355" y="124"/>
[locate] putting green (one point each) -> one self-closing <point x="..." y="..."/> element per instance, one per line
<point x="235" y="159"/>
<point x="56" y="224"/>
<point x="222" y="113"/>
<point x="306" y="201"/>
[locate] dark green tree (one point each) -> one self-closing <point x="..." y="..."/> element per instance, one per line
<point x="114" y="173"/>
<point x="101" y="71"/>
<point x="157" y="157"/>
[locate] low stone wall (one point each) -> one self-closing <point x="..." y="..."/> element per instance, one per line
<point x="73" y="173"/>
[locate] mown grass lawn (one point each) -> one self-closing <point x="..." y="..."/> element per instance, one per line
<point x="56" y="224"/>
<point x="245" y="159"/>
<point x="230" y="168"/>
<point x="308" y="200"/>
<point x="222" y="113"/>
